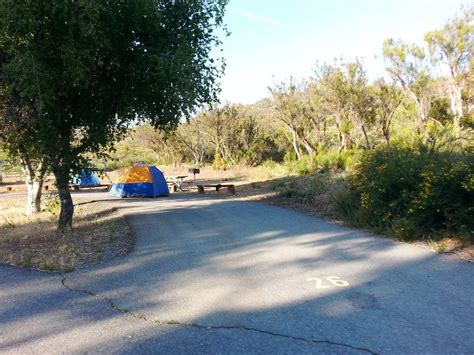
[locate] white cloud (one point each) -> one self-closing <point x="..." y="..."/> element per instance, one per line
<point x="256" y="17"/>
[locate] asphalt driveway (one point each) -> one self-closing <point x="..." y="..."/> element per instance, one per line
<point x="223" y="276"/>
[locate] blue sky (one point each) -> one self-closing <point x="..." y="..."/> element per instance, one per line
<point x="272" y="40"/>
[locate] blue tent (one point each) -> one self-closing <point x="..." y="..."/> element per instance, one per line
<point x="85" y="179"/>
<point x="140" y="180"/>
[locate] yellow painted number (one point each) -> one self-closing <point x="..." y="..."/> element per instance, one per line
<point x="319" y="282"/>
<point x="335" y="280"/>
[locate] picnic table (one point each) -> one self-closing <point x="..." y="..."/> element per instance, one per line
<point x="176" y="182"/>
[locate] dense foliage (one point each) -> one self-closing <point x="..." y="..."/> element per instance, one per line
<point x="413" y="191"/>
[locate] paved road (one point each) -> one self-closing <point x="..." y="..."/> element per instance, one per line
<point x="223" y="276"/>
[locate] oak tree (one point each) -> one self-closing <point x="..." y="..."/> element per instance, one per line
<point x="90" y="68"/>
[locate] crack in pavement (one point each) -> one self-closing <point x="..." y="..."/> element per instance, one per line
<point x="215" y="327"/>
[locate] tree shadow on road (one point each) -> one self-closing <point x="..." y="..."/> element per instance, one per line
<point x="209" y="268"/>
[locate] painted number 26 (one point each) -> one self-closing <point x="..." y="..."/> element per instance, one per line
<point x="334" y="280"/>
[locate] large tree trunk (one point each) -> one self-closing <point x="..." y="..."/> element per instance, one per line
<point x="67" y="207"/>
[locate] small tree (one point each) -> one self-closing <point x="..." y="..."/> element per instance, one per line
<point x="191" y="135"/>
<point x="218" y="125"/>
<point x="407" y="65"/>
<point x="387" y="99"/>
<point x="18" y="120"/>
<point x="452" y="47"/>
<point x="166" y="146"/>
<point x="345" y="94"/>
<point x="293" y="106"/>
<point x="92" y="67"/>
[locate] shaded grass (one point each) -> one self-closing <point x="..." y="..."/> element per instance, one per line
<point x="100" y="233"/>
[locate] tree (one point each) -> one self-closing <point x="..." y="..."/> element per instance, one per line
<point x="292" y="105"/>
<point x="361" y="100"/>
<point x="92" y="67"/>
<point x="452" y="47"/>
<point x="192" y="137"/>
<point x="468" y="93"/>
<point x="17" y="131"/>
<point x="219" y="127"/>
<point x="387" y="98"/>
<point x="317" y="111"/>
<point x="165" y="145"/>
<point x="345" y="93"/>
<point x="407" y="65"/>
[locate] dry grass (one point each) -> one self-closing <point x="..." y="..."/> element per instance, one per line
<point x="253" y="183"/>
<point x="451" y="246"/>
<point x="100" y="233"/>
<point x="238" y="174"/>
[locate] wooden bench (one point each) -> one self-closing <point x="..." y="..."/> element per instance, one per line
<point x="78" y="187"/>
<point x="230" y="187"/>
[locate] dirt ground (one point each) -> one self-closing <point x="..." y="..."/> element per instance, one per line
<point x="15" y="184"/>
<point x="100" y="233"/>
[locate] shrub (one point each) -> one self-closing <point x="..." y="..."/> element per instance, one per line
<point x="52" y="203"/>
<point x="351" y="158"/>
<point x="323" y="162"/>
<point x="277" y="185"/>
<point x="446" y="192"/>
<point x="404" y="229"/>
<point x="269" y="164"/>
<point x="221" y="163"/>
<point x="319" y="184"/>
<point x="306" y="165"/>
<point x="290" y="156"/>
<point x="293" y="193"/>
<point x="346" y="204"/>
<point x="335" y="161"/>
<point x="414" y="191"/>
